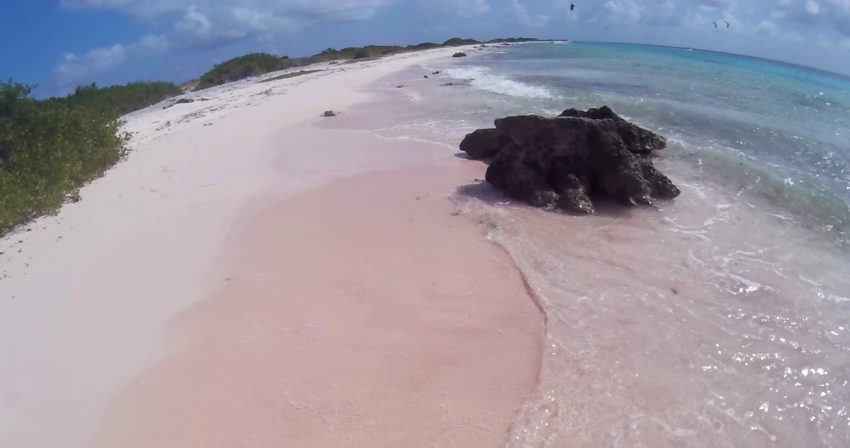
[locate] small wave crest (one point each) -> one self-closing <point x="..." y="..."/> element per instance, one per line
<point x="482" y="78"/>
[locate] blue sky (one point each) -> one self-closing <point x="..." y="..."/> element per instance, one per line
<point x="59" y="44"/>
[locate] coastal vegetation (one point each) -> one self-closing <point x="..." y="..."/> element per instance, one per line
<point x="241" y="67"/>
<point x="122" y="99"/>
<point x="254" y="64"/>
<point x="49" y="148"/>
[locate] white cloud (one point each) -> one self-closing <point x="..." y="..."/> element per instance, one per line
<point x="767" y="28"/>
<point x="812" y="7"/>
<point x="75" y="69"/>
<point x="526" y="18"/>
<point x="792" y="36"/>
<point x="214" y="21"/>
<point x="834" y="13"/>
<point x="204" y="23"/>
<point x="459" y="8"/>
<point x="623" y="11"/>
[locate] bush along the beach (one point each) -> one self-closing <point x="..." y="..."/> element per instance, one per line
<point x="50" y="148"/>
<point x="122" y="99"/>
<point x="251" y="64"/>
<point x="254" y="64"/>
<point x="564" y="162"/>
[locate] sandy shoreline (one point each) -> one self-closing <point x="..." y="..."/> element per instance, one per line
<point x="145" y="314"/>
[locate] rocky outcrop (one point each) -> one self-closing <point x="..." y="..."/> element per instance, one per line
<point x="459" y="55"/>
<point x="484" y="143"/>
<point x="565" y="161"/>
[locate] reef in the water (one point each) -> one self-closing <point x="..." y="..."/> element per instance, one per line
<point x="564" y="161"/>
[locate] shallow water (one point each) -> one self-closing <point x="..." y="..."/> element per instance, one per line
<point x="719" y="319"/>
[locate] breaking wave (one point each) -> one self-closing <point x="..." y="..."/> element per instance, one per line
<point x="483" y="79"/>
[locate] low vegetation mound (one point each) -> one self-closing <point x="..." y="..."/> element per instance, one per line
<point x="50" y="148"/>
<point x="241" y="67"/>
<point x="122" y="99"/>
<point x="457" y="41"/>
<point x="255" y="64"/>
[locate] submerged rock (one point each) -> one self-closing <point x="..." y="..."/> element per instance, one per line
<point x="564" y="161"/>
<point x="459" y="55"/>
<point x="329" y="113"/>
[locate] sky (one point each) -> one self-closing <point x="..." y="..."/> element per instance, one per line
<point x="59" y="44"/>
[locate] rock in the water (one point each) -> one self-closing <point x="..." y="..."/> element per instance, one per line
<point x="329" y="113"/>
<point x="459" y="55"/>
<point x="573" y="197"/>
<point x="636" y="138"/>
<point x="562" y="162"/>
<point x="483" y="143"/>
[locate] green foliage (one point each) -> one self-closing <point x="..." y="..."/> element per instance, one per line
<point x="457" y="41"/>
<point x="514" y="40"/>
<point x="119" y="100"/>
<point x="423" y="46"/>
<point x="241" y="67"/>
<point x="50" y="148"/>
<point x="254" y="64"/>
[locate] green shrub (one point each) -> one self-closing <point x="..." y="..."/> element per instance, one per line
<point x="122" y="99"/>
<point x="457" y="41"/>
<point x="48" y="150"/>
<point x="423" y="46"/>
<point x="254" y="64"/>
<point x="241" y="67"/>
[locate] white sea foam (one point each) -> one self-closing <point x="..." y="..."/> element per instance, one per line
<point x="483" y="79"/>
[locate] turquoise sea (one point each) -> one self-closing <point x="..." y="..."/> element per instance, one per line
<point x="720" y="319"/>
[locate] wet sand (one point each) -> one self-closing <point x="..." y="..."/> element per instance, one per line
<point x="364" y="313"/>
<point x="248" y="279"/>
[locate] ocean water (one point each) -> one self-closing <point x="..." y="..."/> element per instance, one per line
<point x="720" y="319"/>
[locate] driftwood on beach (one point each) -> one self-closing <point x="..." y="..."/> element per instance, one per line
<point x="565" y="161"/>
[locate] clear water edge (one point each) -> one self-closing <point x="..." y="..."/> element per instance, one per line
<point x="719" y="319"/>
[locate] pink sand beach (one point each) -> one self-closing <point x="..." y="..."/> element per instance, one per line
<point x="249" y="279"/>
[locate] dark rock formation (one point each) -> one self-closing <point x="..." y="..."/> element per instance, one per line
<point x="459" y="55"/>
<point x="484" y="143"/>
<point x="564" y="161"/>
<point x="329" y="113"/>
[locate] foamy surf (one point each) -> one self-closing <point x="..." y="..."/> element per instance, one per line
<point x="715" y="320"/>
<point x="481" y="78"/>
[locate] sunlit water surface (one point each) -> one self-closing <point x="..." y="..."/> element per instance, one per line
<point x="719" y="319"/>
